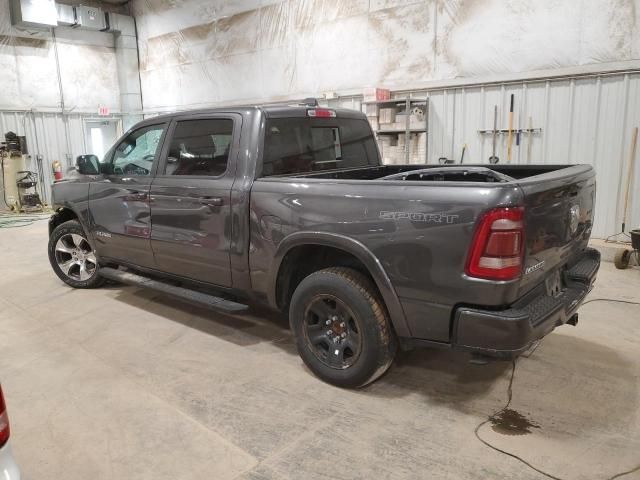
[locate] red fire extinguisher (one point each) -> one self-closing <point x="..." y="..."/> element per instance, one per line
<point x="57" y="170"/>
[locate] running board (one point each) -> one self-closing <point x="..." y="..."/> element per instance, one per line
<point x="210" y="301"/>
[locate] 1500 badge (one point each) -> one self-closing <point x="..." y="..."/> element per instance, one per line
<point x="419" y="217"/>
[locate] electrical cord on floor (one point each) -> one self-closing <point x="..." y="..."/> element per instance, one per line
<point x="495" y="414"/>
<point x="510" y="397"/>
<point x="614" y="300"/>
<point x="12" y="220"/>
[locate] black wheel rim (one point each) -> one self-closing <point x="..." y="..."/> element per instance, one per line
<point x="332" y="332"/>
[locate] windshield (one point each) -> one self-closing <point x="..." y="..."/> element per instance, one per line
<point x="299" y="145"/>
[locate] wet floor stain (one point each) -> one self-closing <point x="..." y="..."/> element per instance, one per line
<point x="510" y="422"/>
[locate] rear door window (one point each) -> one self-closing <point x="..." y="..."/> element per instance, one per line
<point x="200" y="147"/>
<point x="299" y="145"/>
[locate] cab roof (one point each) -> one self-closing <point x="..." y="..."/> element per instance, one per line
<point x="270" y="111"/>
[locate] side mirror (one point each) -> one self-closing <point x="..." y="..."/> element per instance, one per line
<point x="88" y="165"/>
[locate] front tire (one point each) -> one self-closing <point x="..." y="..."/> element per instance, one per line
<point x="342" y="328"/>
<point x="72" y="257"/>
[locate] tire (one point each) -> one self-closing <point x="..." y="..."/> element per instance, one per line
<point x="72" y="257"/>
<point x="621" y="258"/>
<point x="342" y="328"/>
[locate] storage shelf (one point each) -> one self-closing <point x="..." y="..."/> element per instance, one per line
<point x="396" y="131"/>
<point x="396" y="101"/>
<point x="388" y="135"/>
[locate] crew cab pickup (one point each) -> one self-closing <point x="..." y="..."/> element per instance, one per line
<point x="291" y="206"/>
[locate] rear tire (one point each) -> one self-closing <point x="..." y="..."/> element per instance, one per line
<point x="342" y="328"/>
<point x="72" y="257"/>
<point x="621" y="258"/>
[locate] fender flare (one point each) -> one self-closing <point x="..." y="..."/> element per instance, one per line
<point x="79" y="218"/>
<point x="355" y="248"/>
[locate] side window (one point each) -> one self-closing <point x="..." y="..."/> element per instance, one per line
<point x="135" y="154"/>
<point x="200" y="147"/>
<point x="295" y="145"/>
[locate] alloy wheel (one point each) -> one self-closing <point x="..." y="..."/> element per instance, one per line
<point x="75" y="257"/>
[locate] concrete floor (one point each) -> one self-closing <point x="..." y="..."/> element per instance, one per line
<point x="122" y="383"/>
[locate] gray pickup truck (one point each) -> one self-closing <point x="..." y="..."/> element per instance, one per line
<point x="292" y="207"/>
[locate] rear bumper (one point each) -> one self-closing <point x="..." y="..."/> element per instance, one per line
<point x="508" y="333"/>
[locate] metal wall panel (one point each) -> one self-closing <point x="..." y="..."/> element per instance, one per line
<point x="53" y="135"/>
<point x="583" y="120"/>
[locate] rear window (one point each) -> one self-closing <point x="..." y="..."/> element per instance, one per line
<point x="299" y="145"/>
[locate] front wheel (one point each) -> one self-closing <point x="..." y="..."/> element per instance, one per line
<point x="72" y="257"/>
<point x="342" y="329"/>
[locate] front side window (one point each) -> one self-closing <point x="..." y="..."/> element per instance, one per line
<point x="299" y="145"/>
<point x="135" y="154"/>
<point x="200" y="147"/>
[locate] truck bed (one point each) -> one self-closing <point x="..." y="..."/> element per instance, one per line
<point x="448" y="173"/>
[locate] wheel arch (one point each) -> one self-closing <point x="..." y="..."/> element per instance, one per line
<point x="281" y="270"/>
<point x="65" y="214"/>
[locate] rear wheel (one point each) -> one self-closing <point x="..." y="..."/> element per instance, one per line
<point x="342" y="329"/>
<point x="621" y="258"/>
<point x="72" y="257"/>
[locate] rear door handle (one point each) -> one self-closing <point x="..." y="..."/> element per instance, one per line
<point x="137" y="196"/>
<point x="212" y="201"/>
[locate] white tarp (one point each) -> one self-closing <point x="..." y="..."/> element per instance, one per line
<point x="28" y="74"/>
<point x="198" y="52"/>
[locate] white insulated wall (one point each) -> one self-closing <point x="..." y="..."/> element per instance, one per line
<point x="207" y="52"/>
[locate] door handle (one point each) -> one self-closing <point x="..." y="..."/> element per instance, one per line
<point x="212" y="201"/>
<point x="140" y="196"/>
<point x="134" y="196"/>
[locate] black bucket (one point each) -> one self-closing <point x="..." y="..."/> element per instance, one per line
<point x="635" y="238"/>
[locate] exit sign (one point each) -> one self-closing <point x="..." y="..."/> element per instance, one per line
<point x="103" y="111"/>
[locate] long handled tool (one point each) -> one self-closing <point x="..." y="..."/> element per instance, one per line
<point x="493" y="158"/>
<point x="510" y="134"/>
<point x="632" y="156"/>
<point x="529" y="140"/>
<point x="464" y="149"/>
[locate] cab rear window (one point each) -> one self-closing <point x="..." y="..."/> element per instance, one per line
<point x="300" y="145"/>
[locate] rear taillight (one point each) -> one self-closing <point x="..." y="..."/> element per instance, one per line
<point x="4" y="421"/>
<point x="497" y="245"/>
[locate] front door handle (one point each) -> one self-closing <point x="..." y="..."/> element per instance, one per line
<point x="212" y="201"/>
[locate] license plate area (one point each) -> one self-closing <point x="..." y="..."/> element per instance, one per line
<point x="554" y="284"/>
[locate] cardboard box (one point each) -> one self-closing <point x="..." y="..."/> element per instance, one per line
<point x="374" y="94"/>
<point x="370" y="110"/>
<point x="387" y="115"/>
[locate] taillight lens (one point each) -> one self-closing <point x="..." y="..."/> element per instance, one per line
<point x="497" y="246"/>
<point x="4" y="421"/>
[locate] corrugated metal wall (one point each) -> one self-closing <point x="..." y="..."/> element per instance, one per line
<point x="583" y="120"/>
<point x="586" y="119"/>
<point x="53" y="135"/>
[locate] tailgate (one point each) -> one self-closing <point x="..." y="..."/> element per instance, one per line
<point x="559" y="209"/>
